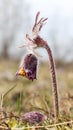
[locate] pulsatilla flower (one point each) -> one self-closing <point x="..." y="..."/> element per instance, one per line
<point x="28" y="67"/>
<point x="33" y="117"/>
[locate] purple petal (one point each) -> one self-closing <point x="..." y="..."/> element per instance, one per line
<point x="30" y="66"/>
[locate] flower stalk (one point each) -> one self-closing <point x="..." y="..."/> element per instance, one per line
<point x="53" y="72"/>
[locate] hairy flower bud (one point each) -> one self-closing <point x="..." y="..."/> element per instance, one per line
<point x="33" y="117"/>
<point x="28" y="67"/>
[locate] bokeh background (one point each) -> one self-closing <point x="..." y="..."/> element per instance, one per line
<point x="16" y="19"/>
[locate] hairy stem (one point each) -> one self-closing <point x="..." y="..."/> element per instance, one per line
<point x="41" y="43"/>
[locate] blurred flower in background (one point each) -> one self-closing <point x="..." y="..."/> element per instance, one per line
<point x="33" y="117"/>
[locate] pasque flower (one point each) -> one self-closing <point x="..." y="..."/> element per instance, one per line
<point x="33" y="117"/>
<point x="28" y="67"/>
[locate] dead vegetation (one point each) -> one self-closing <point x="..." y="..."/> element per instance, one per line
<point x="35" y="96"/>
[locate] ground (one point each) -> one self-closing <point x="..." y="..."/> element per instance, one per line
<point x="22" y="95"/>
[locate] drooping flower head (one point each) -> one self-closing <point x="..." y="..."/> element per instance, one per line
<point x="28" y="67"/>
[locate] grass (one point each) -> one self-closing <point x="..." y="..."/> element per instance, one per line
<point x="36" y="96"/>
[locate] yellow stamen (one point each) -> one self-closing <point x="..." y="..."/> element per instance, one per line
<point x="22" y="72"/>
